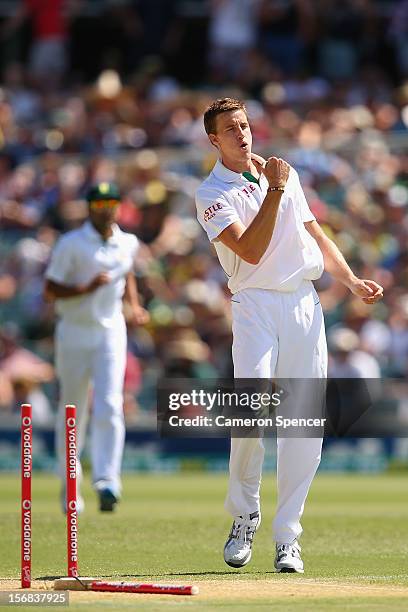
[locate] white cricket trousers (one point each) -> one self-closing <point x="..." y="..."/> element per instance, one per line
<point x="280" y="335"/>
<point x="97" y="355"/>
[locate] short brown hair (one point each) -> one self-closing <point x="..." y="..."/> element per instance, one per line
<point x="222" y="105"/>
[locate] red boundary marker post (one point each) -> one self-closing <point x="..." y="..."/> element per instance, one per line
<point x="71" y="489"/>
<point x="26" y="501"/>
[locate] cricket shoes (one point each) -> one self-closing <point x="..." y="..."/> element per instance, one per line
<point x="107" y="500"/>
<point x="238" y="547"/>
<point x="288" y="559"/>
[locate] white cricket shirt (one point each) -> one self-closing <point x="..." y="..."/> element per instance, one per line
<point x="292" y="255"/>
<point x="77" y="258"/>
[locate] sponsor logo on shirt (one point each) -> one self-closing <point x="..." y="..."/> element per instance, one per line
<point x="211" y="211"/>
<point x="250" y="188"/>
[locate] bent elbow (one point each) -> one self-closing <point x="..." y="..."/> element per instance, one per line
<point x="251" y="257"/>
<point x="253" y="260"/>
<point x="48" y="294"/>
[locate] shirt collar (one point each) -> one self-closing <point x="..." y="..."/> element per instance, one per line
<point x="93" y="234"/>
<point x="229" y="176"/>
<point x="224" y="174"/>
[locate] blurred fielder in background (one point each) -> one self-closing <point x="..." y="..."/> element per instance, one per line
<point x="271" y="248"/>
<point x="89" y="273"/>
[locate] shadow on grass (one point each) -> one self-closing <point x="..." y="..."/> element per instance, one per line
<point x="166" y="574"/>
<point x="224" y="573"/>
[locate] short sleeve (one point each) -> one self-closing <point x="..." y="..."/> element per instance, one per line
<point x="305" y="212"/>
<point x="133" y="250"/>
<point x="134" y="245"/>
<point x="61" y="264"/>
<point x="214" y="212"/>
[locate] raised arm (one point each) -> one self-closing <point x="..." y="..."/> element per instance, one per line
<point x="250" y="243"/>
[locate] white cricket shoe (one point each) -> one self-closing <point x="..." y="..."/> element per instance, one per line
<point x="238" y="547"/>
<point x="288" y="558"/>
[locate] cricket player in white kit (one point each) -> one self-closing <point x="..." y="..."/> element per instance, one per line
<point x="271" y="248"/>
<point x="90" y="271"/>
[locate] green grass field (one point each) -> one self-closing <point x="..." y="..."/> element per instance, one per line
<point x="171" y="528"/>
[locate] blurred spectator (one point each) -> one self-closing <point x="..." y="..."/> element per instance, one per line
<point x="48" y="59"/>
<point x="186" y="356"/>
<point x="27" y="391"/>
<point x="25" y="102"/>
<point x="398" y="34"/>
<point x="120" y="36"/>
<point x="232" y="34"/>
<point x="18" y="363"/>
<point x="185" y="45"/>
<point x="397" y="349"/>
<point x="347" y="361"/>
<point x="287" y="29"/>
<point x="156" y="18"/>
<point x="347" y="34"/>
<point x="22" y="373"/>
<point x="6" y="392"/>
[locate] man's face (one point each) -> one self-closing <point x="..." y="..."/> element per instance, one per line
<point x="102" y="213"/>
<point x="233" y="138"/>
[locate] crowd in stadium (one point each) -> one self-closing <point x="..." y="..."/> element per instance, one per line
<point x="326" y="87"/>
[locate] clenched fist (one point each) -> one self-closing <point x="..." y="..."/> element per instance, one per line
<point x="369" y="291"/>
<point x="275" y="169"/>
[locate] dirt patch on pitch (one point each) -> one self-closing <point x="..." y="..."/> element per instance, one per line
<point x="239" y="590"/>
<point x="303" y="588"/>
